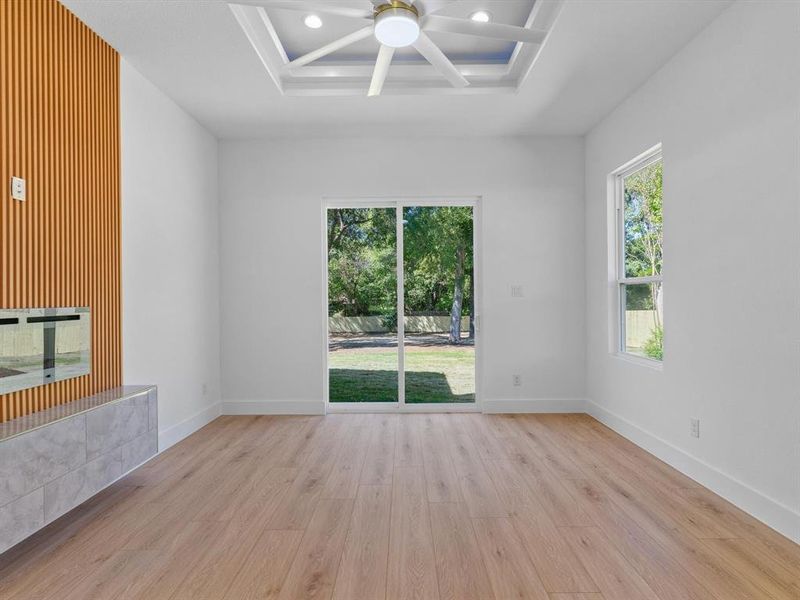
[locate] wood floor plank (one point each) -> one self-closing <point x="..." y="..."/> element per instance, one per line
<point x="30" y="559"/>
<point x="262" y="573"/>
<point x="412" y="563"/>
<point x="548" y="490"/>
<point x="776" y="581"/>
<point x="364" y="563"/>
<point x="113" y="578"/>
<point x="557" y="461"/>
<point x="576" y="597"/>
<point x="511" y="487"/>
<point x="613" y="575"/>
<point x="489" y="446"/>
<point x="461" y="572"/>
<point x="477" y="488"/>
<point x="300" y="501"/>
<point x="556" y="564"/>
<point x="408" y="450"/>
<point x="379" y="461"/>
<point x="440" y="476"/>
<point x="511" y="573"/>
<point x="687" y="551"/>
<point x="615" y="464"/>
<point x="78" y="558"/>
<point x="671" y="478"/>
<point x="178" y="554"/>
<point x="778" y="546"/>
<point x="658" y="568"/>
<point x="313" y="571"/>
<point x="346" y="472"/>
<point x="211" y="576"/>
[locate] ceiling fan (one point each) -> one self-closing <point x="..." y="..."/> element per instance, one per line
<point x="402" y="23"/>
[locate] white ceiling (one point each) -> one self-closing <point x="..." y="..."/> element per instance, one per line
<point x="598" y="52"/>
<point x="299" y="39"/>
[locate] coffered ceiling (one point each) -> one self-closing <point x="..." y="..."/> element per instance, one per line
<point x="279" y="36"/>
<point x="597" y="52"/>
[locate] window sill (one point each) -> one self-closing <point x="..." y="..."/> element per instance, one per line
<point x="655" y="365"/>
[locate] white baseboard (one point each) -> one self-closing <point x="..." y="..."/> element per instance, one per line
<point x="172" y="435"/>
<point x="776" y="515"/>
<point x="535" y="405"/>
<point x="273" y="407"/>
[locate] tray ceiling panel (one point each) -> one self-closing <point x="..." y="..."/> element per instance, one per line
<point x="454" y="55"/>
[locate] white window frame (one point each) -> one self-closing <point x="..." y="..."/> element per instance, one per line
<point x="618" y="177"/>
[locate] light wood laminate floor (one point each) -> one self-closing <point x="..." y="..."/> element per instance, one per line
<point x="373" y="507"/>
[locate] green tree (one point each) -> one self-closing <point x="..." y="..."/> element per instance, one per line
<point x="438" y="256"/>
<point x="361" y="262"/>
<point x="644" y="237"/>
<point x="439" y="262"/>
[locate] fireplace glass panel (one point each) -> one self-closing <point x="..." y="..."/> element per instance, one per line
<point x="43" y="345"/>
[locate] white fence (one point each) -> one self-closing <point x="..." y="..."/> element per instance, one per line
<point x="639" y="326"/>
<point x="413" y="324"/>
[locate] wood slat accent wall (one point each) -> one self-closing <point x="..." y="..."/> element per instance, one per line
<point x="59" y="129"/>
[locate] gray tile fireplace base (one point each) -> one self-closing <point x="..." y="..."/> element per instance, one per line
<point x="52" y="461"/>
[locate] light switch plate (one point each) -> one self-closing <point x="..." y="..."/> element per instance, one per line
<point x="517" y="291"/>
<point x="18" y="188"/>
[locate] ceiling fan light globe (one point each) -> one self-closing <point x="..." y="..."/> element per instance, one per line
<point x="397" y="28"/>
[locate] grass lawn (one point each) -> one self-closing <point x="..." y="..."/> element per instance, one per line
<point x="439" y="374"/>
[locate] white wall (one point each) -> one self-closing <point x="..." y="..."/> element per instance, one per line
<point x="272" y="258"/>
<point x="726" y="109"/>
<point x="170" y="256"/>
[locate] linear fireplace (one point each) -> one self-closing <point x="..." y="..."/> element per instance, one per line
<point x="43" y="345"/>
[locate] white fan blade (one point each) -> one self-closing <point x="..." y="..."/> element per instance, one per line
<point x="488" y="30"/>
<point x="311" y="7"/>
<point x="436" y="57"/>
<point x="385" y="55"/>
<point x="332" y="47"/>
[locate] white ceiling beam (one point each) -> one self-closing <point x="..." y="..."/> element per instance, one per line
<point x="339" y="89"/>
<point x="400" y="70"/>
<point x="485" y="30"/>
<point x="323" y="6"/>
<point x="252" y="25"/>
<point x="546" y="17"/>
<point x="273" y="35"/>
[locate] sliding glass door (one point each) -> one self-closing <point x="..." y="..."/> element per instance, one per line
<point x="439" y="304"/>
<point x="362" y="305"/>
<point x="414" y="260"/>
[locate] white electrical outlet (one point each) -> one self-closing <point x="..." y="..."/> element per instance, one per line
<point x="517" y="291"/>
<point x="18" y="188"/>
<point x="517" y="380"/>
<point x="694" y="428"/>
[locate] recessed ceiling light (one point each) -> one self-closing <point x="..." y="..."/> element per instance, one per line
<point x="481" y="16"/>
<point x="313" y="22"/>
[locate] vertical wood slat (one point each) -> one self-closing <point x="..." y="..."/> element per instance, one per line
<point x="59" y="129"/>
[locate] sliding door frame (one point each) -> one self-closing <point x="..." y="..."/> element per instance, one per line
<point x="399" y="204"/>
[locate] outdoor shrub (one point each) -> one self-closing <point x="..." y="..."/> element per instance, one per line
<point x="654" y="346"/>
<point x="389" y="321"/>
